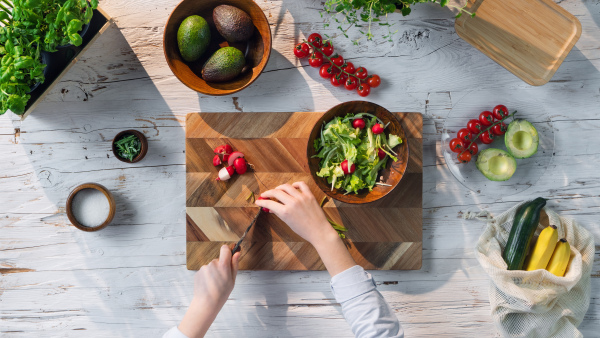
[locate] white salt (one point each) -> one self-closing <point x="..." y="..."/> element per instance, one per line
<point x="90" y="207"/>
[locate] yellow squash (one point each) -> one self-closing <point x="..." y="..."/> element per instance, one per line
<point x="560" y="258"/>
<point x="544" y="247"/>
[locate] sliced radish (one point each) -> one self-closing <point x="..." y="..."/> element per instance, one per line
<point x="225" y="173"/>
<point x="381" y="154"/>
<point x="234" y="156"/>
<point x="345" y="169"/>
<point x="217" y="160"/>
<point x="240" y="165"/>
<point x="224" y="149"/>
<point x="226" y="157"/>
<point x="377" y="129"/>
<point x="264" y="209"/>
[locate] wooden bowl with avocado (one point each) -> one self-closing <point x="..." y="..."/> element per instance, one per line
<point x="199" y="53"/>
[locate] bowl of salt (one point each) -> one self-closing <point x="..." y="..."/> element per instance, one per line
<point x="90" y="207"/>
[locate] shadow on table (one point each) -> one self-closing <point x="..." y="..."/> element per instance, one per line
<point x="68" y="139"/>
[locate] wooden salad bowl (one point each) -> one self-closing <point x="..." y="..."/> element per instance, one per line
<point x="393" y="171"/>
<point x="257" y="50"/>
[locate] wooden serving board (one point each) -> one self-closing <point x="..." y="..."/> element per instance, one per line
<point x="385" y="234"/>
<point x="529" y="38"/>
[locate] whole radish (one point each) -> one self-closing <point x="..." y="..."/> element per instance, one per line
<point x="264" y="209"/>
<point x="225" y="173"/>
<point x="234" y="156"/>
<point x="345" y="169"/>
<point x="377" y="128"/>
<point x="358" y="123"/>
<point x="240" y="165"/>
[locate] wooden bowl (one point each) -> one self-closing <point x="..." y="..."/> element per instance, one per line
<point x="111" y="204"/>
<point x="392" y="173"/>
<point x="257" y="50"/>
<point x="142" y="139"/>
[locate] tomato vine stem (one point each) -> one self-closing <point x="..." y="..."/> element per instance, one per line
<point x="341" y="68"/>
<point x="485" y="131"/>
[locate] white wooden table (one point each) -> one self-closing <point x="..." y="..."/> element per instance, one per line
<point x="130" y="279"/>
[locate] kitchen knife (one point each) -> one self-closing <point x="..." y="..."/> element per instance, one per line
<point x="237" y="245"/>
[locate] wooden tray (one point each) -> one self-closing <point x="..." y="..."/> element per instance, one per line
<point x="529" y="38"/>
<point x="386" y="234"/>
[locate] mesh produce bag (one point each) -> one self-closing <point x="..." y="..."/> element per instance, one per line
<point x="537" y="303"/>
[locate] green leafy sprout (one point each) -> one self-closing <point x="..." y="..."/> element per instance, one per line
<point x="349" y="13"/>
<point x="128" y="147"/>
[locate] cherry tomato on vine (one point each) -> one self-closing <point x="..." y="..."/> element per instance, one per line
<point x="499" y="129"/>
<point x="374" y="81"/>
<point x="316" y="59"/>
<point x="337" y="60"/>
<point x="465" y="135"/>
<point x="326" y="71"/>
<point x="456" y="145"/>
<point x="327" y="48"/>
<point x="474" y="126"/>
<point x="500" y="111"/>
<point x="486" y="118"/>
<point x="464" y="157"/>
<point x="315" y="39"/>
<point x="487" y="137"/>
<point x="348" y="67"/>
<point x="351" y="83"/>
<point x="361" y="73"/>
<point x="338" y="79"/>
<point x="473" y="149"/>
<point x="301" y="50"/>
<point x="363" y="89"/>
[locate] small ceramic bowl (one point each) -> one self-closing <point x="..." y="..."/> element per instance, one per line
<point x="111" y="203"/>
<point x="142" y="139"/>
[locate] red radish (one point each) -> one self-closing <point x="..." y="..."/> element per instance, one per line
<point x="225" y="173"/>
<point x="344" y="166"/>
<point x="226" y="158"/>
<point x="358" y="123"/>
<point x="224" y="149"/>
<point x="377" y="129"/>
<point x="264" y="209"/>
<point x="235" y="155"/>
<point x="217" y="160"/>
<point x="240" y="165"/>
<point x="381" y="154"/>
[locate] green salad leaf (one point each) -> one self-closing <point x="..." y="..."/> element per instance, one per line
<point x="339" y="141"/>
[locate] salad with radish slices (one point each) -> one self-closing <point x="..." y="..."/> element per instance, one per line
<point x="352" y="150"/>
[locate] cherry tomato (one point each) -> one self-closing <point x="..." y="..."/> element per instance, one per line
<point x="500" y="111"/>
<point x="363" y="89"/>
<point x="486" y="118"/>
<point x="465" y="135"/>
<point x="374" y="81"/>
<point x="337" y="60"/>
<point x="456" y="145"/>
<point x="301" y="50"/>
<point x="348" y="67"/>
<point x="487" y="137"/>
<point x="351" y="83"/>
<point x="473" y="149"/>
<point x="326" y="71"/>
<point x="361" y="73"/>
<point x="359" y="123"/>
<point x="474" y="126"/>
<point x="338" y="79"/>
<point x="464" y="157"/>
<point x="327" y="48"/>
<point x="316" y="59"/>
<point x="316" y="39"/>
<point x="499" y="129"/>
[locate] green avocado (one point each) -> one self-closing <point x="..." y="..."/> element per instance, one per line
<point x="496" y="164"/>
<point x="224" y="65"/>
<point x="233" y="24"/>
<point x="521" y="139"/>
<point x="193" y="37"/>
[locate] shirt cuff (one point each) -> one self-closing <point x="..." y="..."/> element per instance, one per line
<point x="351" y="283"/>
<point x="174" y="333"/>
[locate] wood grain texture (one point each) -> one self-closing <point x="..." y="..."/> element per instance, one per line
<point x="385" y="234"/>
<point x="130" y="279"/>
<point x="529" y="38"/>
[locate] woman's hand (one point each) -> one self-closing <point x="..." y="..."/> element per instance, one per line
<point x="299" y="209"/>
<point x="213" y="284"/>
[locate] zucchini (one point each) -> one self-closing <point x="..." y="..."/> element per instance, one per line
<point x="526" y="221"/>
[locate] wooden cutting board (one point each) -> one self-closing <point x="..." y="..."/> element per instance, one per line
<point x="386" y="234"/>
<point x="530" y="38"/>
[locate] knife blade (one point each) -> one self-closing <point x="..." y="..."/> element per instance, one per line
<point x="237" y="245"/>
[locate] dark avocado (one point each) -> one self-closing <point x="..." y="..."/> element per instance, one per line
<point x="233" y="24"/>
<point x="224" y="65"/>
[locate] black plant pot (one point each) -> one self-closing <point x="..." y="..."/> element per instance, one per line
<point x="82" y="32"/>
<point x="46" y="59"/>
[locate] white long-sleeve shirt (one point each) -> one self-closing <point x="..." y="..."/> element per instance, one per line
<point x="364" y="308"/>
